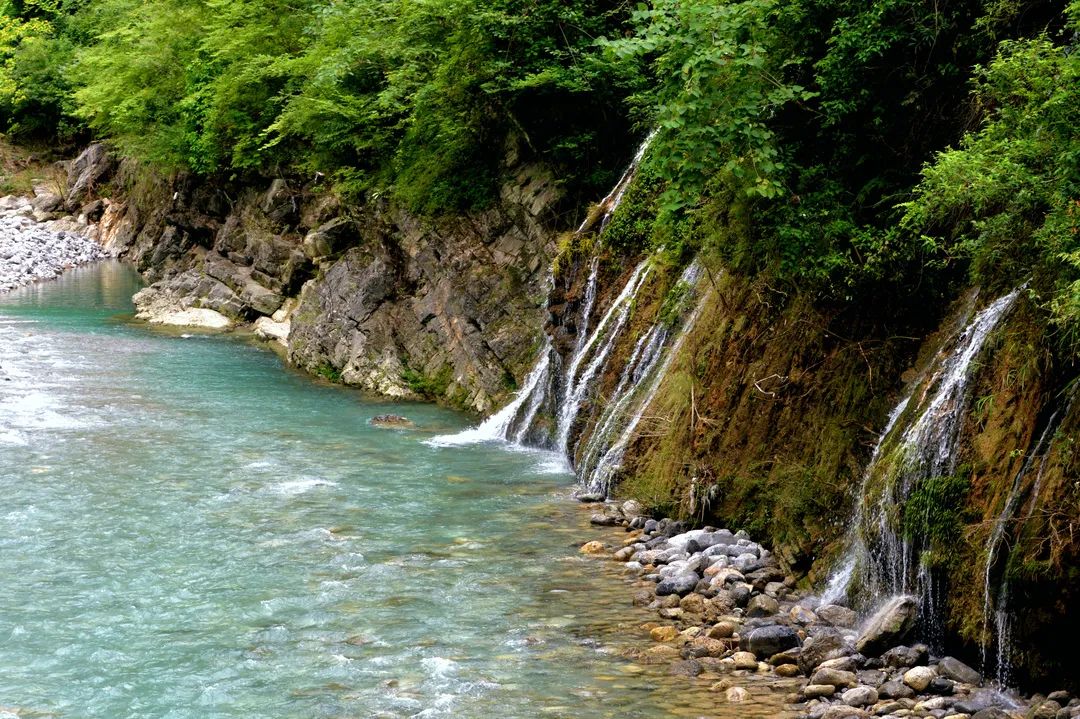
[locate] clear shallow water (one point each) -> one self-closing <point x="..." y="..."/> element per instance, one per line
<point x="188" y="529"/>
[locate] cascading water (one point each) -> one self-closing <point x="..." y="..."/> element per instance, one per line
<point x="498" y="425"/>
<point x="567" y="390"/>
<point x="647" y="365"/>
<point x="607" y="332"/>
<point x="517" y="419"/>
<point x="997" y="624"/>
<point x="880" y="560"/>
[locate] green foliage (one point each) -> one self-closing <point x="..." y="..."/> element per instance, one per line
<point x="35" y="98"/>
<point x="421" y="100"/>
<point x="1008" y="199"/>
<point x="329" y="373"/>
<point x="719" y="73"/>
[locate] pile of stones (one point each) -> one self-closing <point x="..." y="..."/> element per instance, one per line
<point x="727" y="610"/>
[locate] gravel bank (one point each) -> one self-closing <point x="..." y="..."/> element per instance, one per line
<point x="31" y="251"/>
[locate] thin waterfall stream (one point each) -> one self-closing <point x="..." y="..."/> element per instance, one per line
<point x="917" y="444"/>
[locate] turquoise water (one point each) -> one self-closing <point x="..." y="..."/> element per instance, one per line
<point x="189" y="529"/>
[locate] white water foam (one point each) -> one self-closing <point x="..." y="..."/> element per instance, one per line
<point x="495" y="427"/>
<point x="300" y="486"/>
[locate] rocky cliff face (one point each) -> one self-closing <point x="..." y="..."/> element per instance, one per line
<point x="373" y="297"/>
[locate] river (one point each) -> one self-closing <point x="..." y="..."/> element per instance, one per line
<point x="191" y="529"/>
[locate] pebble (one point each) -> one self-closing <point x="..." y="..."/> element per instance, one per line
<point x="31" y="252"/>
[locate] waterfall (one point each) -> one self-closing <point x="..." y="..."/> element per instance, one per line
<point x="515" y="421"/>
<point x="996" y="617"/>
<point x="879" y="557"/>
<point x="644" y="364"/>
<point x="608" y="330"/>
<point x="497" y="426"/>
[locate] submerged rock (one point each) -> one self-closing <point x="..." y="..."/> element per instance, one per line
<point x="392" y="421"/>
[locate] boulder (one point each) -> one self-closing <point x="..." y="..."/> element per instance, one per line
<point x="769" y="640"/>
<point x="888" y="626"/>
<point x="687" y="668"/>
<point x="903" y="657"/>
<point x="958" y="671"/>
<point x="821" y="648"/>
<point x="762" y="605"/>
<point x="745" y="660"/>
<point x="836" y="615"/>
<point x="681" y="584"/>
<point x="895" y="689"/>
<point x="396" y="421"/>
<point x="860" y="696"/>
<point x="833" y="677"/>
<point x="736" y="694"/>
<point x="919" y="678"/>
<point x="592" y="548"/>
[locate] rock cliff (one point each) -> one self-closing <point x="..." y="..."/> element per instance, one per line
<point x="374" y="297"/>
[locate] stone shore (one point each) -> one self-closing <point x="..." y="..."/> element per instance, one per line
<point x="726" y="610"/>
<point x="32" y="251"/>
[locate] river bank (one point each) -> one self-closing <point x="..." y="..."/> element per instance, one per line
<point x="33" y="251"/>
<point x="728" y="615"/>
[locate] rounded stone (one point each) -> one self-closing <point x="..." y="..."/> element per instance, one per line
<point x="736" y="694"/>
<point x="817" y="691"/>
<point x="723" y="630"/>
<point x="919" y="678"/>
<point x="860" y="697"/>
<point x="745" y="660"/>
<point x="663" y="634"/>
<point x="762" y="605"/>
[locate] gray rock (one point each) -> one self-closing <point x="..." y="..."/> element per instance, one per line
<point x="989" y="713"/>
<point x="903" y="657"/>
<point x="679" y="584"/>
<point x="871" y="677"/>
<point x="769" y="640"/>
<point x="888" y="626"/>
<point x="603" y="520"/>
<point x="860" y="696"/>
<point x="762" y="605"/>
<point x="822" y="647"/>
<point x="941" y="685"/>
<point x="958" y="671"/>
<point x="836" y="615"/>
<point x="740" y="593"/>
<point x="895" y="689"/>
<point x="687" y="668"/>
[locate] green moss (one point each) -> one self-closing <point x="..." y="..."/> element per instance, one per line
<point x="935" y="510"/>
<point x="328" y="372"/>
<point x="431" y="387"/>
